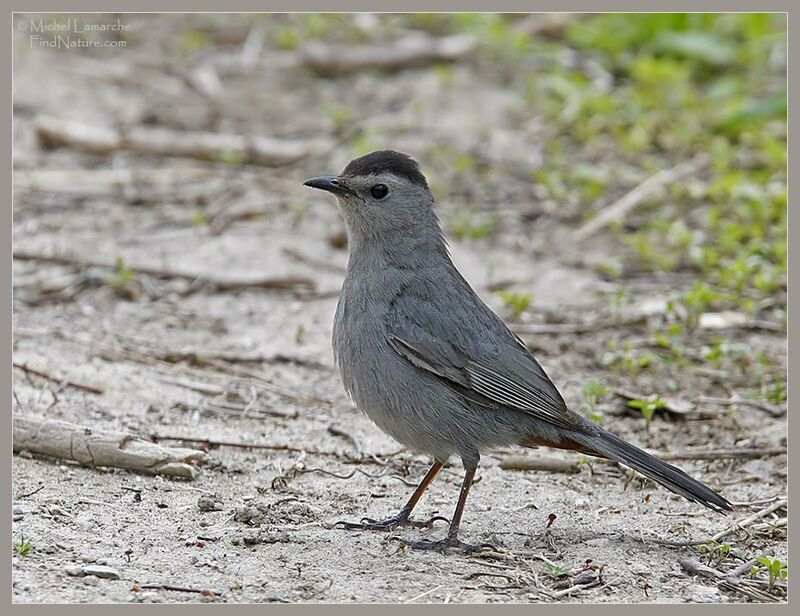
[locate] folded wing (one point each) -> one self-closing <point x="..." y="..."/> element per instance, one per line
<point x="478" y="356"/>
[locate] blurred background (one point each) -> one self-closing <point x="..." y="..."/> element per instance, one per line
<point x="614" y="185"/>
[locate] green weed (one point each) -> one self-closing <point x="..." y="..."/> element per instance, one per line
<point x="516" y="302"/>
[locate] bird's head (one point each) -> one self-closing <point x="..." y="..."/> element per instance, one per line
<point x="382" y="195"/>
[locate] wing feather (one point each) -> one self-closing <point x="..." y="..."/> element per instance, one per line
<point x="460" y="340"/>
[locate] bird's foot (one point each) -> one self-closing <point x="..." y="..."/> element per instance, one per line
<point x="443" y="544"/>
<point x="390" y="524"/>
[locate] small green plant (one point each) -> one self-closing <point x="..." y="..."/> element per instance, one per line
<point x="198" y="219"/>
<point x="698" y="300"/>
<point x="191" y="41"/>
<point x="776" y="569"/>
<point x="776" y="393"/>
<point x="123" y="280"/>
<point x="287" y="38"/>
<point x="716" y="553"/>
<point x="23" y="546"/>
<point x="647" y="408"/>
<point x="592" y="391"/>
<point x="230" y="158"/>
<point x="557" y="571"/>
<point x="516" y="302"/>
<point x="626" y="361"/>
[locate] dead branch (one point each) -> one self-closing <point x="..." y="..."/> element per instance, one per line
<point x="410" y="52"/>
<point x="286" y="283"/>
<point x="735" y="526"/>
<point x="213" y="443"/>
<point x="254" y="149"/>
<point x="175" y="588"/>
<point x="726" y="582"/>
<point x="632" y="199"/>
<point x="736" y="400"/>
<point x="314" y="262"/>
<point x="161" y="182"/>
<point x="550" y="465"/>
<point x="721" y="454"/>
<point x="729" y="319"/>
<point x="674" y="406"/>
<point x="560" y="465"/>
<point x="524" y="329"/>
<point x="568" y="591"/>
<point x="91" y="447"/>
<point x="54" y="379"/>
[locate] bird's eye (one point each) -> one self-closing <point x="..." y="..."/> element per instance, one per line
<point x="379" y="191"/>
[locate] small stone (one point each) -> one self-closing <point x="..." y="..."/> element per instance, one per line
<point x="17" y="513"/>
<point x="251" y="538"/>
<point x="74" y="570"/>
<point x="91" y="580"/>
<point x="210" y="502"/>
<point x="598" y="542"/>
<point x="101" y="571"/>
<point x="697" y="593"/>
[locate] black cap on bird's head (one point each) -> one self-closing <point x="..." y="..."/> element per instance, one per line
<point x="376" y="163"/>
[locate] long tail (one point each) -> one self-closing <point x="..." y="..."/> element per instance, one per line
<point x="607" y="445"/>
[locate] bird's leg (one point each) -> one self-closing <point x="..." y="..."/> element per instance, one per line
<point x="404" y="517"/>
<point x="451" y="540"/>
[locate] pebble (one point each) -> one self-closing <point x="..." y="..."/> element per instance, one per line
<point x="698" y="593"/>
<point x="148" y="597"/>
<point x="74" y="570"/>
<point x="17" y="513"/>
<point x="210" y="502"/>
<point x="598" y="542"/>
<point x="101" y="571"/>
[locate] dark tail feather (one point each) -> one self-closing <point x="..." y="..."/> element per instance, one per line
<point x="672" y="478"/>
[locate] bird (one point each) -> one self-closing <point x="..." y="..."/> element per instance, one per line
<point x="431" y="364"/>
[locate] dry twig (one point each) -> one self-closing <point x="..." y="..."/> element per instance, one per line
<point x="61" y="382"/>
<point x="632" y="199"/>
<point x="735" y="526"/>
<point x="727" y="582"/>
<point x="102" y="140"/>
<point x="411" y="52"/>
<point x="92" y="447"/>
<point x="288" y="283"/>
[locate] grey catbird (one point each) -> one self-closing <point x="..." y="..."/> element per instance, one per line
<point x="430" y="363"/>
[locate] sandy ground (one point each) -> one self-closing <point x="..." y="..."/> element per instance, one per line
<point x="258" y="525"/>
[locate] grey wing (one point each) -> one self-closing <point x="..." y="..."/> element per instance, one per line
<point x="500" y="373"/>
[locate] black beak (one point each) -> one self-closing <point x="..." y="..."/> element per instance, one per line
<point x="331" y="184"/>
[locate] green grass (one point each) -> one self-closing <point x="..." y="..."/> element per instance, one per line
<point x="23" y="546"/>
<point x="678" y="85"/>
<point x="777" y="570"/>
<point x="647" y="407"/>
<point x="592" y="391"/>
<point x="517" y="303"/>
